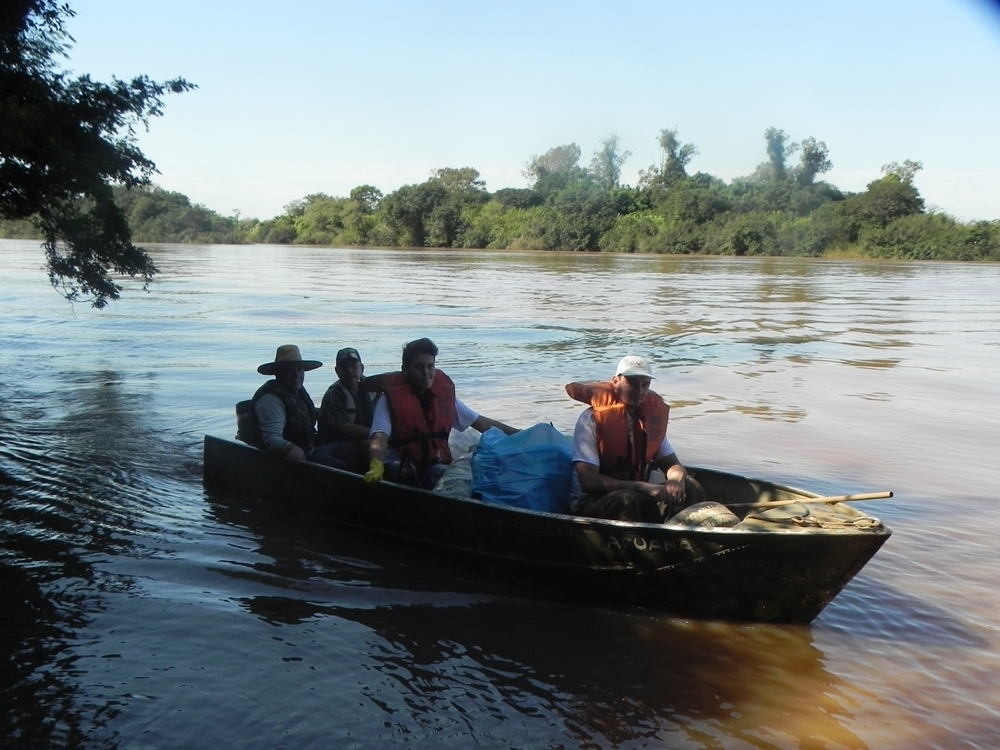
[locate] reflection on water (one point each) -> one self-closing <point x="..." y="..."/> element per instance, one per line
<point x="139" y="611"/>
<point x="873" y="609"/>
<point x="66" y="498"/>
<point x="451" y="654"/>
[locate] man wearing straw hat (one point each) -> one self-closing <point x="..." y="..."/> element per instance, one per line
<point x="286" y="416"/>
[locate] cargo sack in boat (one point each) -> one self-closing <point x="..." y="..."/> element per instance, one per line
<point x="704" y="516"/>
<point x="247" y="429"/>
<point x="529" y="469"/>
<point x="457" y="479"/>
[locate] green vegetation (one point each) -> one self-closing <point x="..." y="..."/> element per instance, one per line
<point x="65" y="143"/>
<point x="156" y="215"/>
<point x="780" y="209"/>
<point x="71" y="175"/>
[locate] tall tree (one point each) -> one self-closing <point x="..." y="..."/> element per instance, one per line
<point x="905" y="171"/>
<point x="462" y="180"/>
<point x="322" y="219"/>
<point x="367" y="197"/>
<point x="558" y="160"/>
<point x="359" y="215"/>
<point x="65" y="143"/>
<point x="606" y="165"/>
<point x="779" y="151"/>
<point x="465" y="189"/>
<point x="674" y="158"/>
<point x="408" y="210"/>
<point x="814" y="159"/>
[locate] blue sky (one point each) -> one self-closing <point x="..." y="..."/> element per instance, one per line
<point x="308" y="96"/>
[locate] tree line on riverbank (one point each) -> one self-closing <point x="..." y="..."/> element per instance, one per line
<point x="782" y="208"/>
<point x="779" y="209"/>
<point x="72" y="175"/>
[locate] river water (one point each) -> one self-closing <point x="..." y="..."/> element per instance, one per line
<point x="140" y="611"/>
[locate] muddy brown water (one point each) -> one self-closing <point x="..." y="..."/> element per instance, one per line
<point x="140" y="611"/>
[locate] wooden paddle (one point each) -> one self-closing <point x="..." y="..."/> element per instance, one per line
<point x="833" y="499"/>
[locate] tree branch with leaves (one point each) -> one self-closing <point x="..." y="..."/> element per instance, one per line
<point x="65" y="143"/>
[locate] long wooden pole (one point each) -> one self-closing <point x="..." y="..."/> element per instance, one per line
<point x="832" y="499"/>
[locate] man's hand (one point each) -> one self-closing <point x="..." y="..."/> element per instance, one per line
<point x="669" y="495"/>
<point x="675" y="490"/>
<point x="295" y="454"/>
<point x="375" y="472"/>
<point x="657" y="491"/>
<point x="675" y="487"/>
<point x="676" y="473"/>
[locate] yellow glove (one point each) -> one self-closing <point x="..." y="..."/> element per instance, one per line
<point x="375" y="472"/>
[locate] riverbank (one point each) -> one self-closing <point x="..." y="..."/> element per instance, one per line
<point x="696" y="215"/>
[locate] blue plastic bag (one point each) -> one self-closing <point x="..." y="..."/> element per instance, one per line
<point x="529" y="469"/>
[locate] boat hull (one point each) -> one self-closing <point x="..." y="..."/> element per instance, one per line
<point x="775" y="575"/>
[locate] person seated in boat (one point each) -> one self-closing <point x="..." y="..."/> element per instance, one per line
<point x="618" y="439"/>
<point x="414" y="417"/>
<point x="345" y="414"/>
<point x="285" y="414"/>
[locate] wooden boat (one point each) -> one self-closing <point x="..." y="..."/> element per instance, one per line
<point x="780" y="564"/>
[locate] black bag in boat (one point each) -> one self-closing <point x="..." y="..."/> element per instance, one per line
<point x="247" y="429"/>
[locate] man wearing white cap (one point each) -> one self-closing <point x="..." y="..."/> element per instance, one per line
<point x="617" y="440"/>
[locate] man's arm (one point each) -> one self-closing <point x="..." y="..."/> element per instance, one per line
<point x="675" y="474"/>
<point x="380" y="431"/>
<point x="376" y="449"/>
<point x="483" y="423"/>
<point x="466" y="417"/>
<point x="270" y="411"/>
<point x="593" y="482"/>
<point x="671" y="467"/>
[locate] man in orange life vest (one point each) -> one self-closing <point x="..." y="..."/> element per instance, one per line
<point x="616" y="442"/>
<point x="413" y="419"/>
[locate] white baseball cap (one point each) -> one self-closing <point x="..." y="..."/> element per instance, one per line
<point x="634" y="366"/>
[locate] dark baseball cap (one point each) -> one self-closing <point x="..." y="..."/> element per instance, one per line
<point x="348" y="353"/>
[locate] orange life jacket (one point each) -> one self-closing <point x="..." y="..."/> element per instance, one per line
<point x="421" y="425"/>
<point x="618" y="458"/>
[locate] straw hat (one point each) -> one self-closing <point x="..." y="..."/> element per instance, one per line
<point x="288" y="354"/>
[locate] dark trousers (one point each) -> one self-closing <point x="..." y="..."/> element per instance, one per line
<point x="332" y="454"/>
<point x="638" y="507"/>
<point x="624" y="505"/>
<point x="348" y="453"/>
<point x="405" y="472"/>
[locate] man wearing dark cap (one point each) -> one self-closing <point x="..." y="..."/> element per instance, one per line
<point x="285" y="414"/>
<point x="345" y="414"/>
